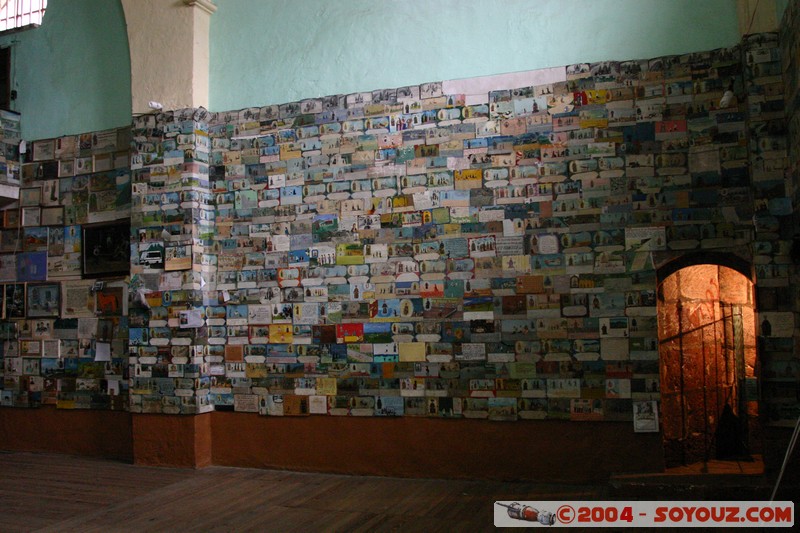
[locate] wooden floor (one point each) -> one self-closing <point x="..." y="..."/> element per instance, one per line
<point x="751" y="467"/>
<point x="58" y="493"/>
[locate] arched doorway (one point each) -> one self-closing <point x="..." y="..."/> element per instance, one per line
<point x="707" y="360"/>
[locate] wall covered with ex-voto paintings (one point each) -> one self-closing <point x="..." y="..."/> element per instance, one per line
<point x="64" y="339"/>
<point x="413" y="252"/>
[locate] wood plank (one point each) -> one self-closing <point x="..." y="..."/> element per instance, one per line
<point x="46" y="492"/>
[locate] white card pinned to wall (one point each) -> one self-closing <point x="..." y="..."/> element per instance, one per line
<point x="102" y="351"/>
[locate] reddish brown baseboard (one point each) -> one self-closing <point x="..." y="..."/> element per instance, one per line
<point x="91" y="433"/>
<point x="543" y="451"/>
<point x="172" y="440"/>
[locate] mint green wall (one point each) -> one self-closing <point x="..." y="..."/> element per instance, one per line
<point x="72" y="73"/>
<point x="276" y="51"/>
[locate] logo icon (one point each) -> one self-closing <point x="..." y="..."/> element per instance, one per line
<point x="528" y="513"/>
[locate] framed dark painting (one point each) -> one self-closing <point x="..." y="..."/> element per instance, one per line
<point x="106" y="249"/>
<point x="14" y="300"/>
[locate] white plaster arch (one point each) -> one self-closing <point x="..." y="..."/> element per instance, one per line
<point x="169" y="48"/>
